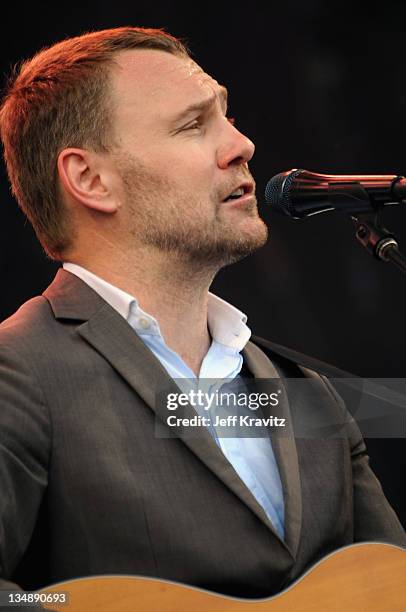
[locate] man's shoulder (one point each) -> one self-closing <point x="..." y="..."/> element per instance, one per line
<point x="26" y="338"/>
<point x="27" y="322"/>
<point x="66" y="299"/>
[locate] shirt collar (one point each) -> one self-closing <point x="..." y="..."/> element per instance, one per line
<point x="226" y="323"/>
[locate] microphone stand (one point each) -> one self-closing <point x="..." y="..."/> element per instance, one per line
<point x="378" y="241"/>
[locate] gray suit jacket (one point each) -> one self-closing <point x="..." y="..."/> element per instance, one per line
<point x="88" y="489"/>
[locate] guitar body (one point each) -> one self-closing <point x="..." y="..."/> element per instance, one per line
<point x="365" y="577"/>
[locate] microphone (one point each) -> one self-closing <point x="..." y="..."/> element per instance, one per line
<point x="300" y="193"/>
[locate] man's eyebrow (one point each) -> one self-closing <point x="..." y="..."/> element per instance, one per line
<point x="204" y="105"/>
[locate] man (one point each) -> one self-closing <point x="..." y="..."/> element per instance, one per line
<point x="121" y="154"/>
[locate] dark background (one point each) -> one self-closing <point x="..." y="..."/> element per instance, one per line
<point x="316" y="85"/>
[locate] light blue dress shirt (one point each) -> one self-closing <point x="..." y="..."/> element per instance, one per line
<point x="252" y="458"/>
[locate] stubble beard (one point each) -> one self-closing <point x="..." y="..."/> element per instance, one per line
<point x="176" y="224"/>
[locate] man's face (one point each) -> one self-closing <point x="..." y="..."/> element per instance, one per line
<point x="179" y="158"/>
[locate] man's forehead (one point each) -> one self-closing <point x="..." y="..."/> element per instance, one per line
<point x="151" y="71"/>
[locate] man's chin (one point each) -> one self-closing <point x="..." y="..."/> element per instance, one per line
<point x="232" y="245"/>
<point x="215" y="246"/>
<point x="249" y="234"/>
<point x="246" y="245"/>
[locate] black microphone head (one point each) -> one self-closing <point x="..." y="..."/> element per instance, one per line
<point x="277" y="192"/>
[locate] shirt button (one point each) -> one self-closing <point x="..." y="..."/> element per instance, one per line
<point x="144" y="323"/>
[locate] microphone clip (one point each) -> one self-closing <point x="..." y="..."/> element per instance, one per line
<point x="379" y="242"/>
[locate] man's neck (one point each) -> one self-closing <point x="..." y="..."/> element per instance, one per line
<point x="173" y="292"/>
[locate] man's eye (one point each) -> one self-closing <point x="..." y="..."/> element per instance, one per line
<point x="194" y="126"/>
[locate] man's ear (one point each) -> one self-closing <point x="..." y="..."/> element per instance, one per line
<point x="87" y="179"/>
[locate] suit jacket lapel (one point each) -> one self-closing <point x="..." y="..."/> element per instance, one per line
<point x="284" y="447"/>
<point x="113" y="337"/>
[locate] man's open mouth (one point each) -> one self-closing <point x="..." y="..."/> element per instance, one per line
<point x="244" y="189"/>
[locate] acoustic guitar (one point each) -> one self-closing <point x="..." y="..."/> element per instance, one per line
<point x="362" y="578"/>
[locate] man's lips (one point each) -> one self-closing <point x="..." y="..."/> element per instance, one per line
<point x="241" y="202"/>
<point x="248" y="188"/>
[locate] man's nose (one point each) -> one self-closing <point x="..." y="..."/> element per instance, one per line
<point x="235" y="148"/>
